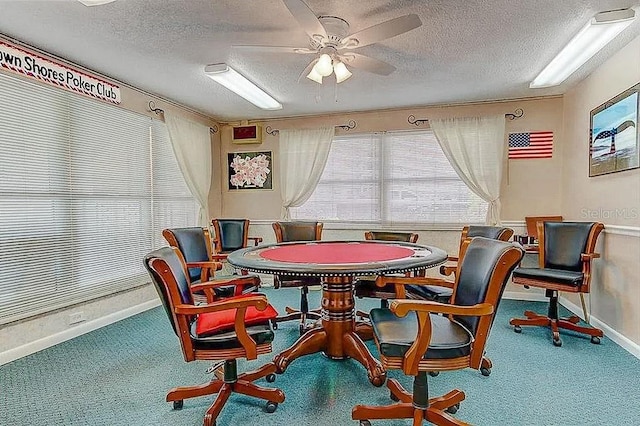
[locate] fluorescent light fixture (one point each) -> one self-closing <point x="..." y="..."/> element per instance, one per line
<point x="237" y="83"/>
<point x="95" y="2"/>
<point x="600" y="30"/>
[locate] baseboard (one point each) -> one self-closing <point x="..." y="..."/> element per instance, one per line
<point x="626" y="344"/>
<point x="70" y="333"/>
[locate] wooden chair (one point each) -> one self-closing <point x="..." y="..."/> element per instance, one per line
<point x="565" y="255"/>
<point x="440" y="289"/>
<point x="231" y="235"/>
<point x="412" y="337"/>
<point x="298" y="231"/>
<point x="224" y="330"/>
<point x="194" y="244"/>
<point x="366" y="286"/>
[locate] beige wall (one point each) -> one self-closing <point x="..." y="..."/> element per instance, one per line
<point x="529" y="186"/>
<point x="613" y="199"/>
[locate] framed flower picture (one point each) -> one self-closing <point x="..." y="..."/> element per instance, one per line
<point x="615" y="135"/>
<point x="250" y="170"/>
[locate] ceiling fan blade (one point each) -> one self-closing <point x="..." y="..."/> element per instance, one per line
<point x="306" y="18"/>
<point x="276" y="49"/>
<point x="367" y="63"/>
<point x="381" y="31"/>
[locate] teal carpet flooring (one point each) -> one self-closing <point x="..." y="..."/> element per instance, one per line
<point x="119" y="375"/>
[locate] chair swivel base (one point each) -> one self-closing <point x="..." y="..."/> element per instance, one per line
<point x="227" y="381"/>
<point x="438" y="410"/>
<point x="570" y="323"/>
<point x="294" y="314"/>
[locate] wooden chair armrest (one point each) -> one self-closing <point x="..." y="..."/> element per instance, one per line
<point x="223" y="282"/>
<point x="588" y="256"/>
<point x="259" y="301"/>
<point x="214" y="266"/>
<point x="256" y="240"/>
<point x="219" y="256"/>
<point x="382" y="280"/>
<point x="448" y="269"/>
<point x="402" y="307"/>
<point x="452" y="258"/>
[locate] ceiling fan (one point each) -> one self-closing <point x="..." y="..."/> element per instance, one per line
<point x="334" y="46"/>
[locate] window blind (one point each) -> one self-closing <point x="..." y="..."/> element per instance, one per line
<point x="78" y="188"/>
<point x="391" y="178"/>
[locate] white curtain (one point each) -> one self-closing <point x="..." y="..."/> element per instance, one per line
<point x="303" y="155"/>
<point x="475" y="148"/>
<point x="191" y="144"/>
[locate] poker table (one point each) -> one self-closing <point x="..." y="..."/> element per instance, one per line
<point x="338" y="263"/>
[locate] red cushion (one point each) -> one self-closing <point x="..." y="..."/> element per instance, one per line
<point x="213" y="322"/>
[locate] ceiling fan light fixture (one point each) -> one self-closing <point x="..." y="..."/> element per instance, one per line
<point x="314" y="75"/>
<point x="599" y="31"/>
<point x="342" y="73"/>
<point x="324" y="67"/>
<point x="237" y="83"/>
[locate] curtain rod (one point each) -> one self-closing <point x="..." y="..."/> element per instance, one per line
<point x="511" y="116"/>
<point x="351" y="124"/>
<point x="158" y="111"/>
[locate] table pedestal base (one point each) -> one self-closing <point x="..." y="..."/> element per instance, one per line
<point x="338" y="338"/>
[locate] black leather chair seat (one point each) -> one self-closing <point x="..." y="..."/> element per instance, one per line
<point x="261" y="333"/>
<point x="396" y="335"/>
<point x="366" y="287"/>
<point x="429" y="292"/>
<point x="572" y="278"/>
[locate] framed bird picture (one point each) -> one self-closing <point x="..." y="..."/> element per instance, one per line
<point x="614" y="136"/>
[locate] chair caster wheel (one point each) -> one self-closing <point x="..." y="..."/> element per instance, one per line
<point x="271" y="407"/>
<point x="365" y="423"/>
<point x="557" y="342"/>
<point x="301" y="329"/>
<point x="270" y="378"/>
<point x="434" y="373"/>
<point x="177" y="405"/>
<point x="595" y="340"/>
<point x="517" y="329"/>
<point x="485" y="371"/>
<point x="274" y="325"/>
<point x="453" y="409"/>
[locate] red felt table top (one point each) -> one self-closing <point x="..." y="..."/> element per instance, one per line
<point x="336" y="253"/>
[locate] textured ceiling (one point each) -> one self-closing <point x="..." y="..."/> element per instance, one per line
<point x="465" y="51"/>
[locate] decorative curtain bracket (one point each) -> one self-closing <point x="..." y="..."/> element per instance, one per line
<point x="213" y="129"/>
<point x="516" y="114"/>
<point x="272" y="132"/>
<point x="412" y="120"/>
<point x="351" y="124"/>
<point x="152" y="108"/>
<point x="511" y="116"/>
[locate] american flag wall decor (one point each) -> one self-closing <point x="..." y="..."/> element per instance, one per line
<point x="531" y="145"/>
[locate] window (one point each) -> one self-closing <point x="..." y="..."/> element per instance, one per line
<point x="85" y="188"/>
<point x="391" y="178"/>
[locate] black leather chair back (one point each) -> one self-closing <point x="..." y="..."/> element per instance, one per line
<point x="492" y="232"/>
<point x="232" y="234"/>
<point x="564" y="242"/>
<point x="192" y="245"/>
<point x="407" y="237"/>
<point x="476" y="270"/>
<point x="298" y="231"/>
<point x="168" y="259"/>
